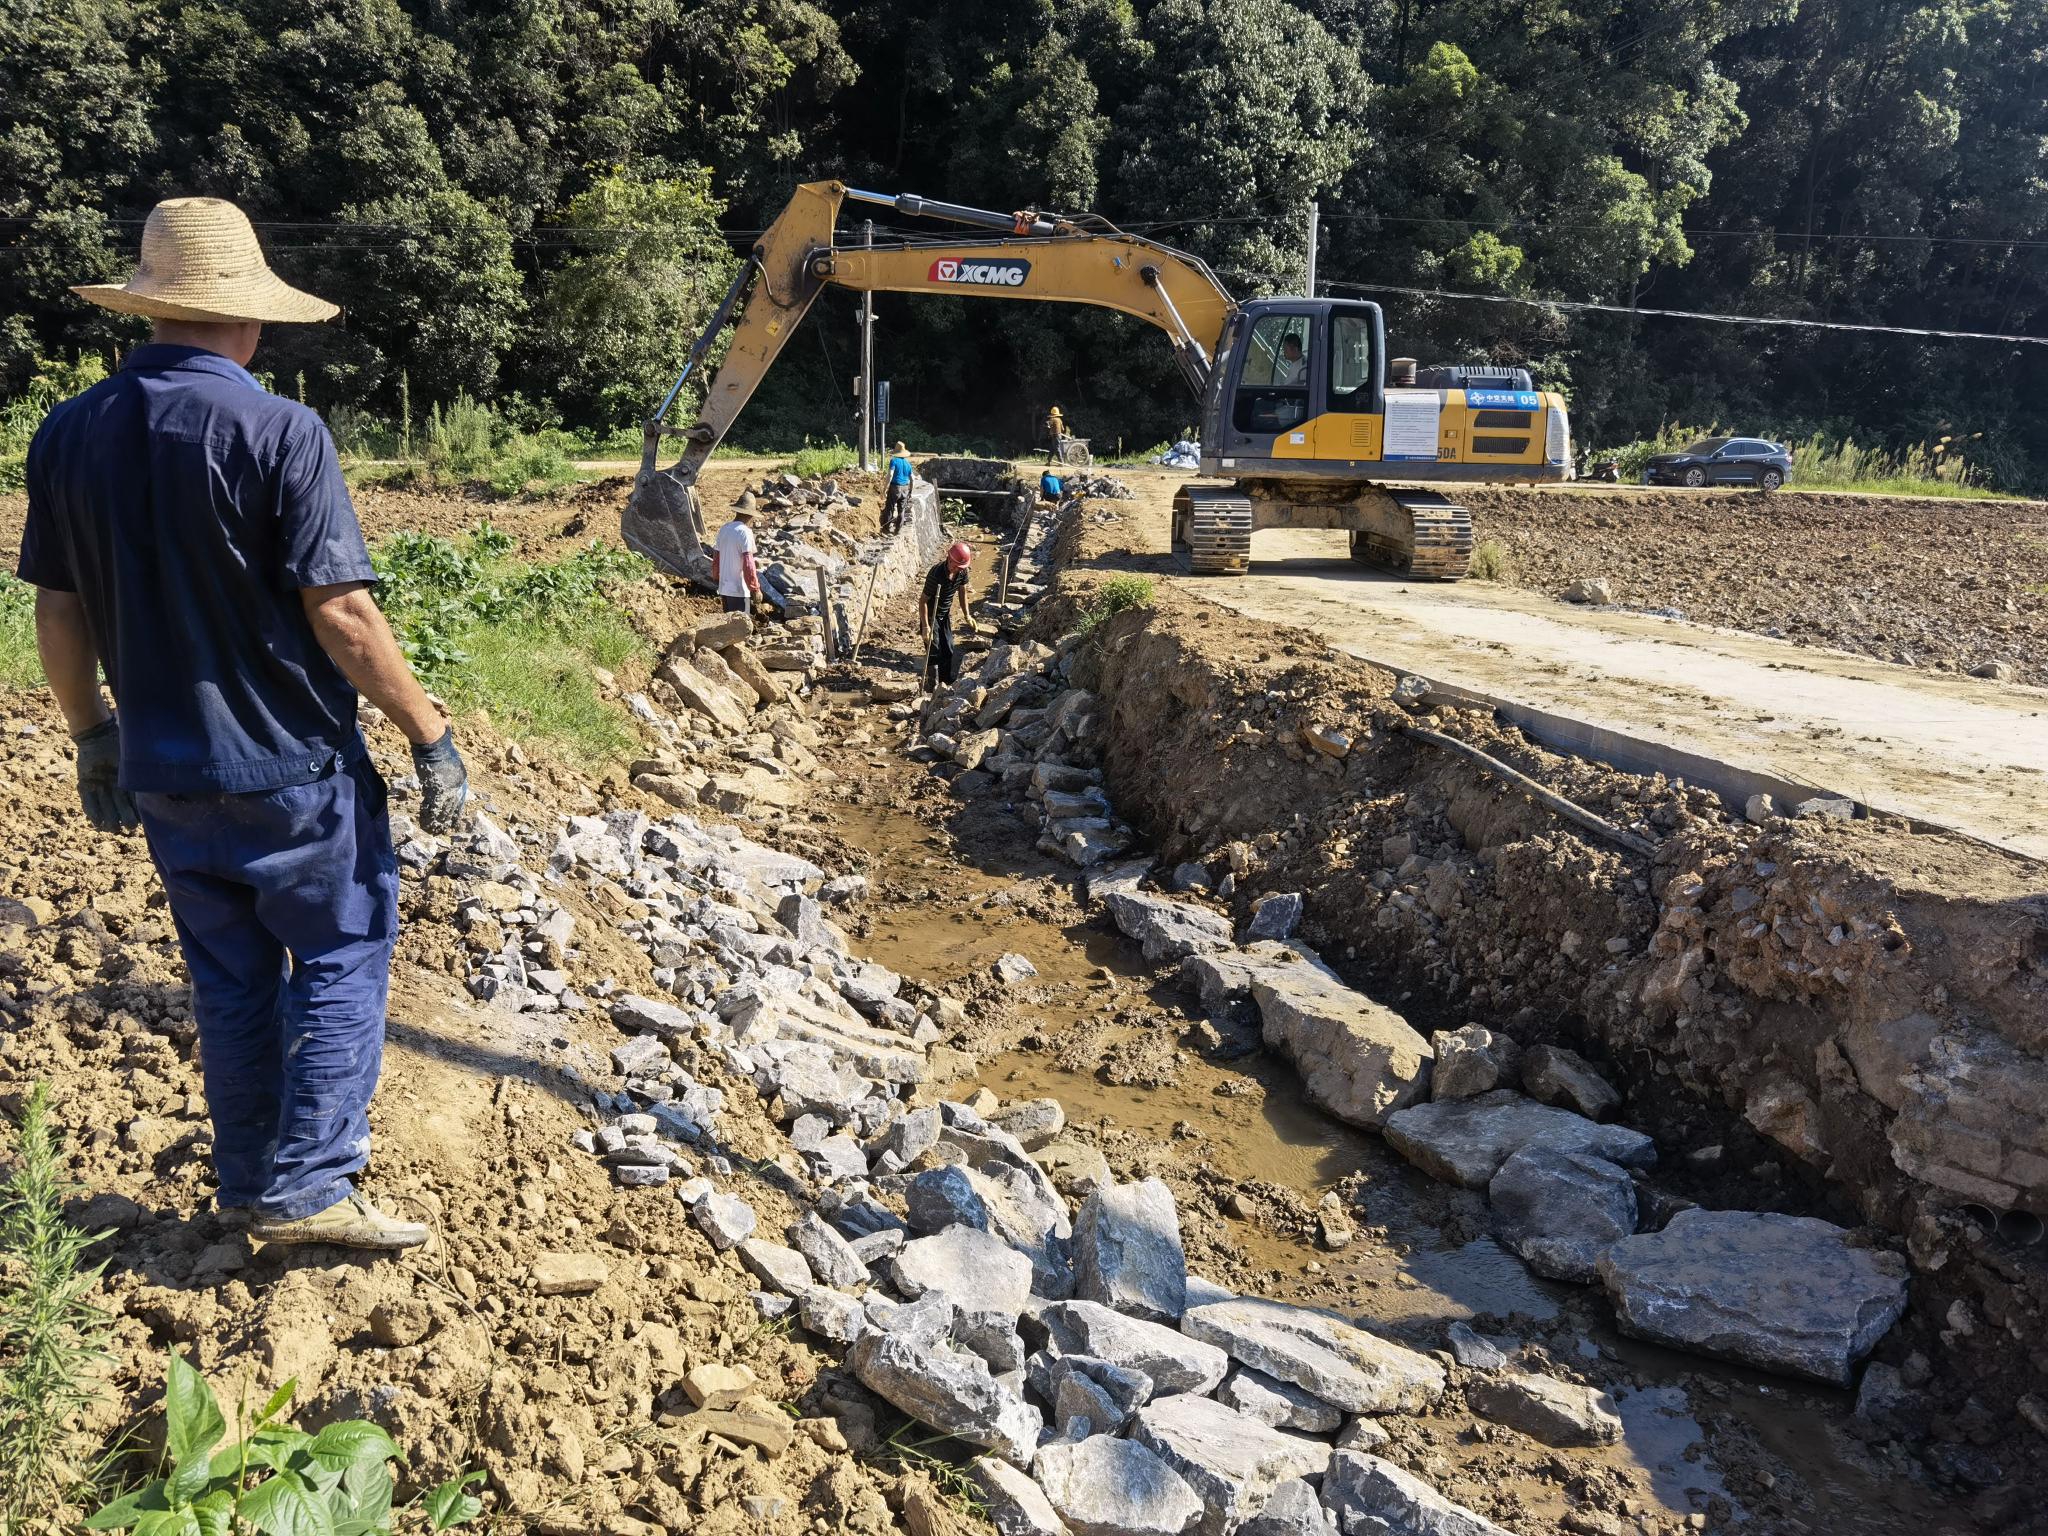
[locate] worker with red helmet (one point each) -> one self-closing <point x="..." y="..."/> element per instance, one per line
<point x="945" y="585"/>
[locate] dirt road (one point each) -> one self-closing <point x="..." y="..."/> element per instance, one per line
<point x="1961" y="752"/>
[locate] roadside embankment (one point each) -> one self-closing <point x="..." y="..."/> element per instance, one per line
<point x="1808" y="1014"/>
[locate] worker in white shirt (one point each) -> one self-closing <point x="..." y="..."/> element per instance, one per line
<point x="732" y="558"/>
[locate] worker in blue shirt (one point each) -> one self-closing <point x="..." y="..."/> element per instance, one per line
<point x="896" y="501"/>
<point x="1051" y="487"/>
<point x="189" y="532"/>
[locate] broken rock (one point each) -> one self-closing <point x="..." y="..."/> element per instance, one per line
<point x="1233" y="1463"/>
<point x="1292" y="1510"/>
<point x="1016" y="1505"/>
<point x="1279" y="1403"/>
<point x="1323" y="1355"/>
<point x="1127" y="1251"/>
<point x="1165" y="929"/>
<point x="1471" y="1061"/>
<point x="1561" y="1210"/>
<point x="964" y="1263"/>
<point x="1174" y="1361"/>
<point x="1787" y="1293"/>
<point x="1556" y="1412"/>
<point x="1358" y="1060"/>
<point x="1108" y="1487"/>
<point x="1371" y="1497"/>
<point x="1275" y="917"/>
<point x="1553" y="1075"/>
<point x="568" y="1274"/>
<point x="1464" y="1141"/>
<point x="949" y="1390"/>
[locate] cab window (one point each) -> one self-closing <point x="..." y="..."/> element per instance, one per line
<point x="1272" y="391"/>
<point x="1351" y="363"/>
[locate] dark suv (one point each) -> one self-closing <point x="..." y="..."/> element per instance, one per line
<point x="1723" y="461"/>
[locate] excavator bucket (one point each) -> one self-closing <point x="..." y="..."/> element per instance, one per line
<point x="662" y="522"/>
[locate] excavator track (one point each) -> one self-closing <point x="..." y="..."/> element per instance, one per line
<point x="1214" y="524"/>
<point x="1438" y="542"/>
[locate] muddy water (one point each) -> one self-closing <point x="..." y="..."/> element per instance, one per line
<point x="1419" y="1260"/>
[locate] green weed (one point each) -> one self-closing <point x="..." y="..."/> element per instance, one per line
<point x="20" y="666"/>
<point x="911" y="1451"/>
<point x="53" y="1340"/>
<point x="516" y="641"/>
<point x="277" y="1479"/>
<point x="54" y="380"/>
<point x="1113" y="597"/>
<point x="1490" y="560"/>
<point x="815" y="459"/>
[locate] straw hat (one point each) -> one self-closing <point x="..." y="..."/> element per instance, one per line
<point x="901" y="449"/>
<point x="746" y="505"/>
<point x="200" y="261"/>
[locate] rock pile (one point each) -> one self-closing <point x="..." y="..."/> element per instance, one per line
<point x="1013" y="722"/>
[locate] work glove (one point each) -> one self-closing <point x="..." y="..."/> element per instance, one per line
<point x="107" y="805"/>
<point x="444" y="783"/>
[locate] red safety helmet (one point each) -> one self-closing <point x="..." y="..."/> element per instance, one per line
<point x="959" y="556"/>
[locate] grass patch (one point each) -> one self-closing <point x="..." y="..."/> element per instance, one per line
<point x="516" y="641"/>
<point x="1489" y="560"/>
<point x="1113" y="597"/>
<point x="815" y="459"/>
<point x="53" y="1340"/>
<point x="20" y="666"/>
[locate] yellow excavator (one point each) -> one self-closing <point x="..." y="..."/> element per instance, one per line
<point x="1301" y="409"/>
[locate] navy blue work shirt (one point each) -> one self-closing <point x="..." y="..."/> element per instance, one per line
<point x="186" y="505"/>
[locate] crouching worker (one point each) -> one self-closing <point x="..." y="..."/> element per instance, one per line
<point x="1051" y="487"/>
<point x="189" y="532"/>
<point x="945" y="586"/>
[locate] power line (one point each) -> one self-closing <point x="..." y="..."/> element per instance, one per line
<point x="1685" y="314"/>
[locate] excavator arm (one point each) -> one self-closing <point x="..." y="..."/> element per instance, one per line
<point x="1038" y="257"/>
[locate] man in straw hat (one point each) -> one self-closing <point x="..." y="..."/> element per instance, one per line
<point x="896" y="500"/>
<point x="189" y="532"/>
<point x="732" y="558"/>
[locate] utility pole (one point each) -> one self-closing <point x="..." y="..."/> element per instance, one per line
<point x="1314" y="217"/>
<point x="867" y="358"/>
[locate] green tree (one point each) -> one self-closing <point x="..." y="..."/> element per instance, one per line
<point x="615" y="319"/>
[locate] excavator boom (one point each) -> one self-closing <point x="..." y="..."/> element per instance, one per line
<point x="1042" y="258"/>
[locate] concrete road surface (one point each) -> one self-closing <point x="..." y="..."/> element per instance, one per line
<point x="1958" y="751"/>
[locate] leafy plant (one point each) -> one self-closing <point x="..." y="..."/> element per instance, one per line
<point x="54" y="379"/>
<point x="1113" y="597"/>
<point x="53" y="1340"/>
<point x="277" y="1479"/>
<point x="813" y="460"/>
<point x="1490" y="560"/>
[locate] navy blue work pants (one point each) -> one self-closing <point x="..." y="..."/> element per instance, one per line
<point x="286" y="906"/>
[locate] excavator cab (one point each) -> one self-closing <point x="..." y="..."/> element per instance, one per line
<point x="1285" y="368"/>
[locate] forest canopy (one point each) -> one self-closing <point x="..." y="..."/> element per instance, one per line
<point x="538" y="203"/>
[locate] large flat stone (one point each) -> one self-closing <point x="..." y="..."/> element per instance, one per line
<point x="1127" y="1251"/>
<point x="1561" y="1210"/>
<point x="1325" y="1356"/>
<point x="1232" y="1462"/>
<point x="965" y="1264"/>
<point x="1174" y="1361"/>
<point x="1166" y="929"/>
<point x="1371" y="1497"/>
<point x="1358" y="1060"/>
<point x="947" y="1389"/>
<point x="1108" y="1487"/>
<point x="1464" y="1141"/>
<point x="1787" y="1293"/>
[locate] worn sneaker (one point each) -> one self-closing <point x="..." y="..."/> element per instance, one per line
<point x="349" y="1223"/>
